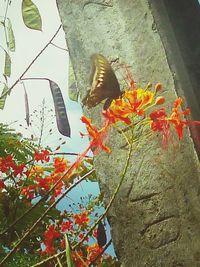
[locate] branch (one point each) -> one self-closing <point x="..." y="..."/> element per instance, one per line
<point x="32" y="62"/>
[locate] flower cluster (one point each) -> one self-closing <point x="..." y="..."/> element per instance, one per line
<point x="74" y="225"/>
<point x="9" y="166"/>
<point x="135" y="105"/>
<point x="39" y="182"/>
<point x="161" y="122"/>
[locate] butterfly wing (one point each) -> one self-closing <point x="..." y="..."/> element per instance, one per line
<point x="104" y="84"/>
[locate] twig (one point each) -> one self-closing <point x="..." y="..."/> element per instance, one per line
<point x="61" y="48"/>
<point x="32" y="62"/>
<point x="69" y="154"/>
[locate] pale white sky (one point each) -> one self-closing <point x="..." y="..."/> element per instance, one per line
<point x="53" y="64"/>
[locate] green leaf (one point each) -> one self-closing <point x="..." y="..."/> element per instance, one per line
<point x="4" y="93"/>
<point x="73" y="90"/>
<point x="7" y="66"/>
<point x="11" y="38"/>
<point x="68" y="253"/>
<point x="31" y="15"/>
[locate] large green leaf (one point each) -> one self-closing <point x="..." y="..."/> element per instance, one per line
<point x="4" y="93"/>
<point x="11" y="38"/>
<point x="60" y="110"/>
<point x="7" y="66"/>
<point x="31" y="15"/>
<point x="68" y="253"/>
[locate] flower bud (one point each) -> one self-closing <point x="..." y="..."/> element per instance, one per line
<point x="160" y="100"/>
<point x="158" y="87"/>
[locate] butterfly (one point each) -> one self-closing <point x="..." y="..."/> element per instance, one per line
<point x="104" y="83"/>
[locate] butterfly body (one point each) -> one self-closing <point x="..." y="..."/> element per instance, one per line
<point x="104" y="83"/>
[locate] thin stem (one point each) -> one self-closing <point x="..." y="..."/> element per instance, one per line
<point x="42" y="124"/>
<point x="35" y="78"/>
<point x="6" y="12"/>
<point x="69" y="154"/>
<point x="32" y="62"/>
<point x="61" y="48"/>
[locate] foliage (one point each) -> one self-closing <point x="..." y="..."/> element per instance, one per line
<point x="12" y="143"/>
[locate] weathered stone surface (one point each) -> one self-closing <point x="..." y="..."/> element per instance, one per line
<point x="156" y="216"/>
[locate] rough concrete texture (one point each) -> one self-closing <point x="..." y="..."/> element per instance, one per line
<point x="156" y="216"/>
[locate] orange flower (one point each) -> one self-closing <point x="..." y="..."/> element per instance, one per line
<point x="36" y="170"/>
<point x="118" y="111"/>
<point x="177" y="116"/>
<point x="97" y="136"/>
<point x="132" y="101"/>
<point x="93" y="251"/>
<point x="60" y="165"/>
<point x="82" y="218"/>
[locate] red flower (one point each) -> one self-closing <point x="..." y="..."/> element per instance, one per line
<point x="49" y="236"/>
<point x="82" y="218"/>
<point x="43" y="183"/>
<point x="18" y="169"/>
<point x="28" y="191"/>
<point x="6" y="164"/>
<point x="66" y="226"/>
<point x="42" y="155"/>
<point x="160" y="123"/>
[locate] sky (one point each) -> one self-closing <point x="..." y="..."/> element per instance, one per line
<point x="53" y="64"/>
